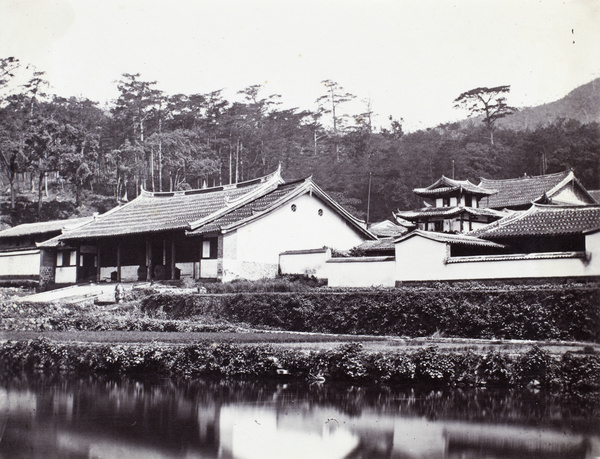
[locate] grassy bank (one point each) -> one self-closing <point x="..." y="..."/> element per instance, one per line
<point x="568" y="312"/>
<point x="189" y="335"/>
<point x="570" y="372"/>
<point x="542" y="312"/>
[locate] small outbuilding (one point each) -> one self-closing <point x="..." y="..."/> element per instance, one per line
<point x="21" y="259"/>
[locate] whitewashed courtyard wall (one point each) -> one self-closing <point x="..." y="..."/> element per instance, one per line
<point x="361" y="272"/>
<point x="421" y="259"/>
<point x="24" y="263"/>
<point x="305" y="262"/>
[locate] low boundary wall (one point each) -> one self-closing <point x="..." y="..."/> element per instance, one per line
<point x="361" y="272"/>
<point x="310" y="262"/>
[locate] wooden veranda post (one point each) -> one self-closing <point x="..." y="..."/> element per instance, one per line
<point x="172" y="258"/>
<point x="148" y="260"/>
<point x="119" y="261"/>
<point x="98" y="264"/>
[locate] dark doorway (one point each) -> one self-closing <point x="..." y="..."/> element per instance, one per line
<point x="87" y="267"/>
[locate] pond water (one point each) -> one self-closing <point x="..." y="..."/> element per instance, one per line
<point x="203" y="419"/>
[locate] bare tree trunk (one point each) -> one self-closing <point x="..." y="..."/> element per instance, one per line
<point x="159" y="164"/>
<point x="11" y="181"/>
<point x="159" y="153"/>
<point x="12" y="175"/>
<point x="40" y="193"/>
<point x="237" y="161"/>
<point x="152" y="166"/>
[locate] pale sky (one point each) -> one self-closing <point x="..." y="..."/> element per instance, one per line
<point x="412" y="58"/>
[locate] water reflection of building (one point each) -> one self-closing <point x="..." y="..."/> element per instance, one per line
<point x="135" y="421"/>
<point x="257" y="432"/>
<point x="262" y="432"/>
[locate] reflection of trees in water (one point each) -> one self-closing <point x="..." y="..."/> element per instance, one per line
<point x="143" y="397"/>
<point x="184" y="415"/>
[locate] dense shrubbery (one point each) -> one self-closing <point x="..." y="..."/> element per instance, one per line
<point x="534" y="313"/>
<point x="536" y="368"/>
<point x="69" y="317"/>
<point x="289" y="283"/>
<point x="542" y="312"/>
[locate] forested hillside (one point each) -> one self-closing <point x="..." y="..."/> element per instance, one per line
<point x="581" y="104"/>
<point x="65" y="157"/>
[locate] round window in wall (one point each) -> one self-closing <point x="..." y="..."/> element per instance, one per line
<point x="293" y="207"/>
<point x="320" y="212"/>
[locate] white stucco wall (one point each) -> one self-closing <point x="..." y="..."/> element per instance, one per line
<point x="208" y="268"/>
<point x="128" y="273"/>
<point x="20" y="263"/>
<point x="361" y="272"/>
<point x="420" y="259"/>
<point x="65" y="275"/>
<point x="252" y="252"/>
<point x="305" y="262"/>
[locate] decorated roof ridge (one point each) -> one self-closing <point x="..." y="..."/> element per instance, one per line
<point x="451" y="238"/>
<point x="561" y="174"/>
<point x="554" y="226"/>
<point x="449" y="211"/>
<point x="272" y="181"/>
<point x="25" y="229"/>
<point x="275" y="175"/>
<point x="541" y="205"/>
<point x="451" y="186"/>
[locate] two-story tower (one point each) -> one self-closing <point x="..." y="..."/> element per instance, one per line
<point x="451" y="206"/>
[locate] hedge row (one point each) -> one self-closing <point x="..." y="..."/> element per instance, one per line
<point x="572" y="373"/>
<point x="533" y="314"/>
<point x="70" y="317"/>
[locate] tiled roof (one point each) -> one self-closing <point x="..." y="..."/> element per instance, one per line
<point x="521" y="191"/>
<point x="54" y="226"/>
<point x="387" y="228"/>
<point x="543" y="220"/>
<point x="154" y="212"/>
<point x="203" y="211"/>
<point x="460" y="239"/>
<point x="445" y="186"/>
<point x="378" y="245"/>
<point x="595" y="194"/>
<point x="448" y="212"/>
<point x="258" y="205"/>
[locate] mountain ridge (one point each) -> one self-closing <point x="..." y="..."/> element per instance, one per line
<point x="581" y="104"/>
